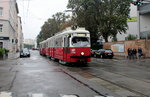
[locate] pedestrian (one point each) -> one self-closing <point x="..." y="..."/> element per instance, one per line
<point x="140" y="52"/>
<point x="129" y="53"/>
<point x="134" y="52"/>
<point x="131" y="50"/>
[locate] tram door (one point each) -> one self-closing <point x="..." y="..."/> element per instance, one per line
<point x="65" y="50"/>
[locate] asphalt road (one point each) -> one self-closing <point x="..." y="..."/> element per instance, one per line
<point x="121" y="76"/>
<point x="38" y="76"/>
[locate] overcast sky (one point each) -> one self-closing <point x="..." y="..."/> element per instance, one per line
<point x="35" y="12"/>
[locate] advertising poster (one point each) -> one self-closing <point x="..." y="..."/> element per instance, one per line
<point x="117" y="48"/>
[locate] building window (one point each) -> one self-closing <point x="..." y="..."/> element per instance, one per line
<point x="1" y="44"/>
<point x="1" y="11"/>
<point x="12" y="40"/>
<point x="1" y="27"/>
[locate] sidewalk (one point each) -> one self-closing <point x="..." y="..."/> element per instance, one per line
<point x="125" y="57"/>
<point x="13" y="55"/>
<point x="120" y="57"/>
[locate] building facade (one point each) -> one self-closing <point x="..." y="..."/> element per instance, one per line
<point x="141" y="27"/>
<point x="132" y="25"/>
<point x="144" y="21"/>
<point x="19" y="35"/>
<point x="30" y="43"/>
<point x="8" y="24"/>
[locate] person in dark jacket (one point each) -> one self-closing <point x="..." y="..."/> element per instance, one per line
<point x="129" y="53"/>
<point x="134" y="52"/>
<point x="140" y="52"/>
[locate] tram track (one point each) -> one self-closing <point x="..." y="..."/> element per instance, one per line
<point x="132" y="90"/>
<point x="126" y="88"/>
<point x="124" y="74"/>
<point x="121" y="86"/>
<point x="63" y="70"/>
<point x="138" y="93"/>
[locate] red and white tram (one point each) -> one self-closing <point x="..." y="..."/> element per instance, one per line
<point x="69" y="46"/>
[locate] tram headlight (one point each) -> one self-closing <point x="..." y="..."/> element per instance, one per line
<point x="82" y="53"/>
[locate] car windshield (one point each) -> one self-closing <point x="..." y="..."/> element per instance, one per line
<point x="80" y="41"/>
<point x="108" y="51"/>
<point x="94" y="50"/>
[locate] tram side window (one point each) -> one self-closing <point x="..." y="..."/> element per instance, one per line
<point x="46" y="44"/>
<point x="58" y="42"/>
<point x="66" y="43"/>
<point x="50" y="43"/>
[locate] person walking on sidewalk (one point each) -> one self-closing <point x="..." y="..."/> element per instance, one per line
<point x="129" y="53"/>
<point x="140" y="52"/>
<point x="134" y="51"/>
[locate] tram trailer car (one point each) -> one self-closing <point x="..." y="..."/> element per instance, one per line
<point x="69" y="46"/>
<point x="42" y="49"/>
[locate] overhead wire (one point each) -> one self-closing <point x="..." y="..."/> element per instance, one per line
<point x="28" y="8"/>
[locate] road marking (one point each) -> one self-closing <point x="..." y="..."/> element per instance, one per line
<point x="103" y="96"/>
<point x="5" y="94"/>
<point x="98" y="96"/>
<point x="69" y="96"/>
<point x="36" y="95"/>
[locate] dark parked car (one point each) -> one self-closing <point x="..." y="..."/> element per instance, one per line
<point x="104" y="53"/>
<point x="24" y="53"/>
<point x="93" y="52"/>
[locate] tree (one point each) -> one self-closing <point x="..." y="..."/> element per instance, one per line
<point x="102" y="17"/>
<point x="53" y="25"/>
<point x="84" y="18"/>
<point x="131" y="37"/>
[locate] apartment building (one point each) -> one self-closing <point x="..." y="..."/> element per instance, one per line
<point x="30" y="43"/>
<point x="19" y="35"/>
<point x="8" y="24"/>
<point x="144" y="21"/>
<point x="140" y="27"/>
<point x="132" y="25"/>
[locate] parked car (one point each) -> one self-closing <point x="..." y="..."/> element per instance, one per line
<point x="24" y="53"/>
<point x="93" y="52"/>
<point x="104" y="53"/>
<point x="35" y="49"/>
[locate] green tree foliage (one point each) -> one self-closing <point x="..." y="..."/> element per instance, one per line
<point x="102" y="17"/>
<point x="3" y="52"/>
<point x="52" y="26"/>
<point x="131" y="37"/>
